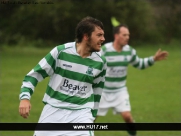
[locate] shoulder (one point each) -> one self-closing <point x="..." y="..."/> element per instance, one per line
<point x="98" y="57"/>
<point x="106" y="46"/>
<point x="65" y="46"/>
<point x="128" y="48"/>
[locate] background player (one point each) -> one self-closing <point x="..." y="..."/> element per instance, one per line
<point x="118" y="55"/>
<point x="76" y="73"/>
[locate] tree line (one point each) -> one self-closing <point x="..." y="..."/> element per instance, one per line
<point x="44" y="24"/>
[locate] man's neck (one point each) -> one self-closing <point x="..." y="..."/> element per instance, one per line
<point x="83" y="50"/>
<point x="117" y="46"/>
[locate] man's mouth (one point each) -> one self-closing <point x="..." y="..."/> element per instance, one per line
<point x="99" y="44"/>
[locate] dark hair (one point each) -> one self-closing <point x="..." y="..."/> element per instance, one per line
<point x="86" y="26"/>
<point x="117" y="28"/>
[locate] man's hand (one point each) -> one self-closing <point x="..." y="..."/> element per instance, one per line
<point x="24" y="108"/>
<point x="160" y="55"/>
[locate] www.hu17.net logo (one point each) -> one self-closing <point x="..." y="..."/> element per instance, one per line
<point x="89" y="71"/>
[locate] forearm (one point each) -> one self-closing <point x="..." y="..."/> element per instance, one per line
<point x="142" y="63"/>
<point x="29" y="83"/>
<point x="27" y="89"/>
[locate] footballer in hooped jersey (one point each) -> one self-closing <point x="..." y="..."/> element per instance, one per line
<point x="119" y="55"/>
<point x="77" y="74"/>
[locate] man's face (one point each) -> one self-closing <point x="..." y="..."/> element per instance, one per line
<point x="96" y="39"/>
<point x="123" y="37"/>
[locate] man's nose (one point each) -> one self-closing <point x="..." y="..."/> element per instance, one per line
<point x="103" y="38"/>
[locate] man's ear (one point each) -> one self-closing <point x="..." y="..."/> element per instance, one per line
<point x="115" y="36"/>
<point x="85" y="37"/>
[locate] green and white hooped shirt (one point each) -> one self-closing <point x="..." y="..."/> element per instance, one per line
<point x="117" y="63"/>
<point x="75" y="82"/>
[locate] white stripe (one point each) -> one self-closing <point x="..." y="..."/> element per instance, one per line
<point x="54" y="53"/>
<point x="75" y="67"/>
<point x="133" y="52"/>
<point x="120" y="58"/>
<point x="102" y="52"/>
<point x="115" y="90"/>
<point x="151" y="59"/>
<point x="109" y="45"/>
<point x="27" y="95"/>
<point x="99" y="79"/>
<point x="110" y="48"/>
<point x="126" y="48"/>
<point x="146" y="62"/>
<point x="119" y="71"/>
<point x="96" y="105"/>
<point x="98" y="91"/>
<point x="96" y="57"/>
<point x="36" y="75"/>
<point x="44" y="65"/>
<point x="28" y="85"/>
<point x="70" y="44"/>
<point x="115" y="84"/>
<point x="140" y="63"/>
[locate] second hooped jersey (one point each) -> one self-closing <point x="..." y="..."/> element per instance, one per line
<point x="117" y="64"/>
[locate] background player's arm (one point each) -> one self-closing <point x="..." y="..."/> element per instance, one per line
<point x="98" y="85"/>
<point x="142" y="63"/>
<point x="43" y="69"/>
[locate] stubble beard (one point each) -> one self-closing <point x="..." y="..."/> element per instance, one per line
<point x="89" y="45"/>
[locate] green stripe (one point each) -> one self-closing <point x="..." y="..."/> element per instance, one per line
<point x="71" y="99"/>
<point x="33" y="80"/>
<point x="50" y="60"/>
<point x="101" y="74"/>
<point x="149" y="62"/>
<point x="94" y="112"/>
<point x="143" y="64"/>
<point x="61" y="47"/>
<point x="113" y="88"/>
<point x="100" y="84"/>
<point x="117" y="53"/>
<point x="112" y="64"/>
<point x="26" y="89"/>
<point x="133" y="58"/>
<point x="74" y="75"/>
<point x="41" y="71"/>
<point x="90" y="133"/>
<point x="115" y="79"/>
<point x="104" y="59"/>
<point x="103" y="48"/>
<point x="136" y="65"/>
<point x="97" y="97"/>
<point x="79" y="60"/>
<point x="44" y="102"/>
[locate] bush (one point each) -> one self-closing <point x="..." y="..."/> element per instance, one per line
<point x="55" y="23"/>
